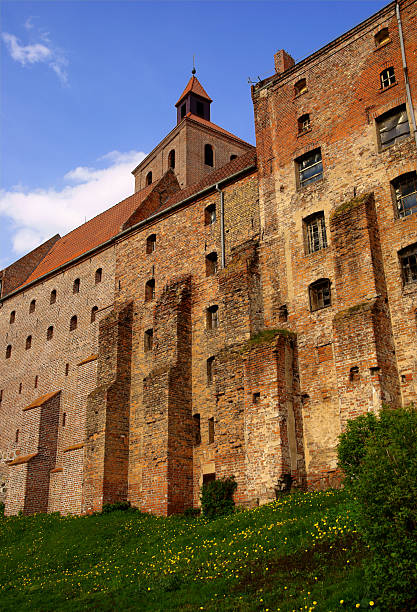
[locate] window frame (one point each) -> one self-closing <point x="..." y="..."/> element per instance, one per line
<point x="212" y="317"/>
<point x="315" y="299"/>
<point x="401" y="211"/>
<point x="390" y="114"/>
<point x="406" y="253"/>
<point x="321" y="233"/>
<point x="209" y="157"/>
<point x="387" y="79"/>
<point x="302" y="183"/>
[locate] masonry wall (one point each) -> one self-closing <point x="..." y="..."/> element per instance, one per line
<point x="361" y="260"/>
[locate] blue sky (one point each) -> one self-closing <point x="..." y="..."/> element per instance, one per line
<point x="89" y="87"/>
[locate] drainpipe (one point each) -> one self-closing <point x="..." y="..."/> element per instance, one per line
<point x="407" y="84"/>
<point x="222" y="237"/>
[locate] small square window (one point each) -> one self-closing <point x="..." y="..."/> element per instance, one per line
<point x="408" y="260"/>
<point x="387" y="77"/>
<point x="310" y="167"/>
<point x="393" y="126"/>
<point x="381" y="37"/>
<point x="320" y="296"/>
<point x="315" y="232"/>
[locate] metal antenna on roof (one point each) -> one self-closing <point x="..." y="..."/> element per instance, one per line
<point x="193" y="71"/>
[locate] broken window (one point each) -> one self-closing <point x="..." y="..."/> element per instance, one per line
<point x="148" y="340"/>
<point x="381" y="37"/>
<point x="50" y="333"/>
<point x="303" y="123"/>
<point x="148" y="179"/>
<point x="211" y="264"/>
<point x="76" y="286"/>
<point x="208" y="155"/>
<point x="320" y="294"/>
<point x="310" y="167"/>
<point x="197" y="429"/>
<point x="211" y="430"/>
<point x="32" y="306"/>
<point x="73" y="323"/>
<point x="405" y="191"/>
<point x="315" y="232"/>
<point x="210" y="214"/>
<point x="408" y="259"/>
<point x="387" y="77"/>
<point x="52" y="298"/>
<point x="213" y="317"/>
<point x="150" y="290"/>
<point x="300" y="87"/>
<point x="28" y="342"/>
<point x="393" y="126"/>
<point x="171" y="159"/>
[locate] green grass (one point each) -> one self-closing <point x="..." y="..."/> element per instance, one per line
<point x="299" y="553"/>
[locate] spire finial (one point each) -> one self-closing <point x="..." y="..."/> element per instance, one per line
<point x="193" y="71"/>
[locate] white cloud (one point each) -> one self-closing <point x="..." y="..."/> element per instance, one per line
<point x="39" y="214"/>
<point x="38" y="52"/>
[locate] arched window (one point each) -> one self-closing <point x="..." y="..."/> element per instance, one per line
<point x="151" y="243"/>
<point x="148" y="340"/>
<point x="28" y="342"/>
<point x="12" y="317"/>
<point x="232" y="157"/>
<point x="300" y="87"/>
<point x="32" y="306"/>
<point x="50" y="332"/>
<point x="52" y="298"/>
<point x="303" y="123"/>
<point x="9" y="351"/>
<point x="76" y="286"/>
<point x="73" y="323"/>
<point x="150" y="290"/>
<point x="387" y="77"/>
<point x="320" y="296"/>
<point x="208" y="155"/>
<point x="93" y="313"/>
<point x="381" y="37"/>
<point x="98" y="275"/>
<point x="210" y="214"/>
<point x="148" y="179"/>
<point x="211" y="264"/>
<point x="171" y="159"/>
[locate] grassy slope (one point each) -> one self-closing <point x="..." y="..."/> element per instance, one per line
<point x="301" y="553"/>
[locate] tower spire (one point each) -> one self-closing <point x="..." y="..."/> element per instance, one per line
<point x="193" y="71"/>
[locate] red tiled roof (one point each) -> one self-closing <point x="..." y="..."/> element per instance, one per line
<point x="213" y="126"/>
<point x="195" y="86"/>
<point x="89" y="235"/>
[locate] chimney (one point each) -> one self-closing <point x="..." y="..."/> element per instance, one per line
<point x="283" y="61"/>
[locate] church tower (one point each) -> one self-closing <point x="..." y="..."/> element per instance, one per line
<point x="194" y="100"/>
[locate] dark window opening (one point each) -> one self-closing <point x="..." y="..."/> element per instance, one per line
<point x="208" y="155"/>
<point x="52" y="298"/>
<point x="197" y="429"/>
<point x="211" y="430"/>
<point x="405" y="192"/>
<point x="354" y="374"/>
<point x="387" y="77"/>
<point x="50" y="333"/>
<point x="183" y="111"/>
<point x="210" y="214"/>
<point x="283" y="313"/>
<point x="300" y="87"/>
<point x="151" y="243"/>
<point x="393" y="126"/>
<point x="381" y="37"/>
<point x="73" y="323"/>
<point x="148" y="179"/>
<point x="17" y="436"/>
<point x="210" y="370"/>
<point x="98" y="275"/>
<point x="94" y="311"/>
<point x="12" y="317"/>
<point x="1" y="395"/>
<point x="303" y="123"/>
<point x="150" y="290"/>
<point x="310" y="167"/>
<point x="20" y="388"/>
<point x="64" y="419"/>
<point x="408" y="260"/>
<point x="256" y="397"/>
<point x="200" y="109"/>
<point x="28" y="342"/>
<point x="171" y="159"/>
<point x="36" y="381"/>
<point x="208" y="478"/>
<point x="213" y="317"/>
<point x="9" y="351"/>
<point x="232" y="157"/>
<point x="148" y="346"/>
<point x="315" y="232"/>
<point x="320" y="296"/>
<point x="211" y="264"/>
<point x="76" y="286"/>
<point x="66" y="369"/>
<point x="32" y="306"/>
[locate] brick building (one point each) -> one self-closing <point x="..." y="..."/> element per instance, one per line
<point x="238" y="308"/>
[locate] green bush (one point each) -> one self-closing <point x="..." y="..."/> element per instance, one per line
<point x="1" y="509"/>
<point x="217" y="497"/>
<point x="117" y="506"/>
<point x="352" y="443"/>
<point x="385" y="485"/>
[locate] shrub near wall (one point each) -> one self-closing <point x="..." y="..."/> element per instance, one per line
<point x="384" y="481"/>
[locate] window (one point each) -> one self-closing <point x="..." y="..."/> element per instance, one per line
<point x="1" y="396"/>
<point x="151" y="243"/>
<point x="211" y="264"/>
<point x="183" y="111"/>
<point x="320" y="294"/>
<point x="300" y="87"/>
<point x="148" y="179"/>
<point x="387" y="77"/>
<point x="232" y="157"/>
<point x="50" y="333"/>
<point x="64" y="419"/>
<point x="283" y="313"/>
<point x="310" y="167"/>
<point x="393" y="126"/>
<point x="12" y="317"/>
<point x="208" y="155"/>
<point x="36" y="381"/>
<point x="200" y="109"/>
<point x="148" y="340"/>
<point x="76" y="286"/>
<point x="52" y="297"/>
<point x="150" y="290"/>
<point x="381" y="37"/>
<point x="210" y="370"/>
<point x="171" y="159"/>
<point x="213" y="317"/>
<point x="208" y="478"/>
<point x="73" y="323"/>
<point x="315" y="232"/>
<point x="20" y="388"/>
<point x="405" y="192"/>
<point x="408" y="260"/>
<point x="16" y="439"/>
<point x="210" y="214"/>
<point x="98" y="276"/>
<point x="28" y="342"/>
<point x="32" y="306"/>
<point x="303" y="123"/>
<point x="93" y="314"/>
<point x="354" y="374"/>
<point x="256" y="397"/>
<point x="9" y="351"/>
<point x="197" y="429"/>
<point x="211" y="430"/>
<point x="66" y="369"/>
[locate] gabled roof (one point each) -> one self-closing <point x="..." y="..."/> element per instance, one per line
<point x="215" y="127"/>
<point x="195" y="87"/>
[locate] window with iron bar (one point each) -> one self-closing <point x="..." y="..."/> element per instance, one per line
<point x="405" y="190"/>
<point x="316" y="232"/>
<point x="408" y="259"/>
